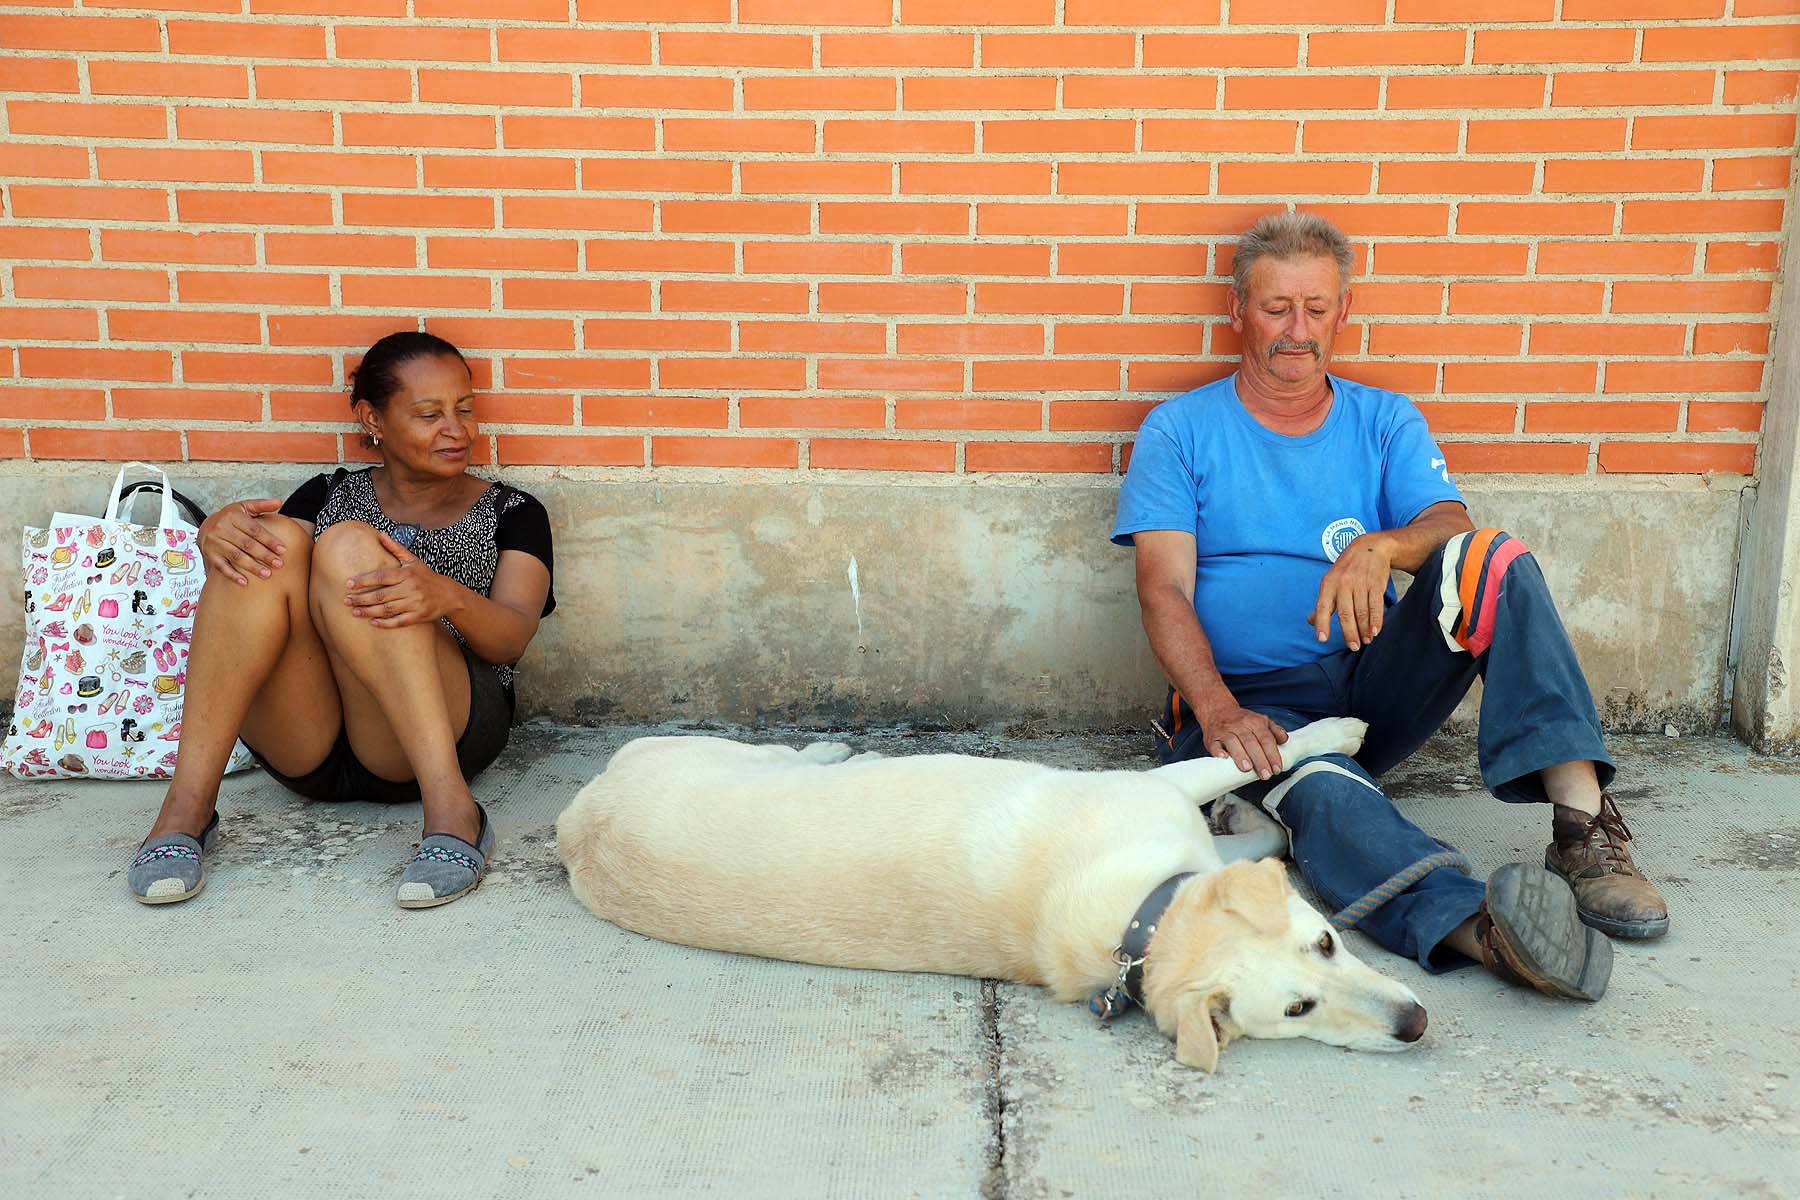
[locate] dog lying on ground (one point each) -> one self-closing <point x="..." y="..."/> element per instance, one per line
<point x="984" y="867"/>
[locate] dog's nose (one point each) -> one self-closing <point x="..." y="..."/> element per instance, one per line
<point x="1411" y="1024"/>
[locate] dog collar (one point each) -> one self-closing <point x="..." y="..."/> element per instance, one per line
<point x="1133" y="948"/>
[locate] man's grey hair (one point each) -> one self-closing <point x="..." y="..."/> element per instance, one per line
<point x="1290" y="235"/>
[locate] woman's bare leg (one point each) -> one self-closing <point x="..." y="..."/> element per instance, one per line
<point x="405" y="691"/>
<point x="255" y="669"/>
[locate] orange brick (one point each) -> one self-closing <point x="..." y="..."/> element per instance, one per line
<point x="251" y="287"/>
<point x="1443" y="11"/>
<point x="1140" y="178"/>
<point x="1730" y="339"/>
<point x="333" y="329"/>
<point x="1279" y="92"/>
<point x="241" y="39"/>
<point x="43" y="162"/>
<point x="103" y="34"/>
<point x="51" y="243"/>
<point x="1736" y="174"/>
<point x="1731" y="257"/>
<point x="751" y="296"/>
<point x="410" y="42"/>
<point x="54" y="404"/>
<point x="566" y="45"/>
<point x="995" y="12"/>
<point x="1529" y="458"/>
<point x="107" y="77"/>
<point x="815" y="178"/>
<point x="1591" y="337"/>
<point x="157" y="445"/>
<point x="734" y="134"/>
<point x="1465" y="178"/>
<point x="1228" y="218"/>
<point x="1051" y="220"/>
<point x="813" y="337"/>
<point x="1601" y="416"/>
<point x="158" y="246"/>
<point x="488" y="88"/>
<point x="724" y="452"/>
<point x="514" y="172"/>
<point x="1715" y="376"/>
<point x="178" y="166"/>
<point x="401" y="292"/>
<point x="1058" y="50"/>
<point x="735" y="49"/>
<point x="1600" y="89"/>
<point x="1612" y="175"/>
<point x="1308" y="12"/>
<point x="1534" y="217"/>
<point x="408" y="130"/>
<point x="661" y="256"/>
<point x="1504" y="377"/>
<point x="818" y="258"/>
<point x="655" y="175"/>
<point x="891" y="217"/>
<point x="136" y="325"/>
<point x="1468" y="416"/>
<point x="1741" y="87"/>
<point x="736" y="216"/>
<point x="988" y="93"/>
<point x="308" y="405"/>
<point x="526" y="408"/>
<point x="1148" y="258"/>
<point x="230" y="366"/>
<point x="1219" y="49"/>
<point x="812" y="412"/>
<point x="43" y="75"/>
<point x="666" y="12"/>
<point x="1518" y="135"/>
<point x="332" y="83"/>
<point x="1527" y="299"/>
<point x="657" y="92"/>
<point x="960" y="339"/>
<point x="336" y="249"/>
<point x="968" y="414"/>
<point x="633" y="334"/>
<point x="88" y="203"/>
<point x="1389" y="47"/>
<point x="340" y="170"/>
<point x="1106" y="298"/>
<point x="1114" y="337"/>
<point x="1047" y="375"/>
<point x="1724" y="418"/>
<point x="864" y="454"/>
<point x="815" y="12"/>
<point x="1557" y="46"/>
<point x="1641" y="10"/>
<point x="220" y="445"/>
<point x="877" y="374"/>
<point x="668" y="412"/>
<point x="577" y="212"/>
<point x="88" y="283"/>
<point x="1707" y="296"/>
<point x="75" y="119"/>
<point x="458" y="212"/>
<point x="1705" y="132"/>
<point x="12" y="443"/>
<point x="505" y="333"/>
<point x="895" y="49"/>
<point x="1674" y="458"/>
<point x="593" y="295"/>
<point x="1140" y="91"/>
<point x="1689" y="43"/>
<point x="1387" y="134"/>
<point x="1215" y="134"/>
<point x="1702" y="216"/>
<point x="92" y="362"/>
<point x="1038" y="457"/>
<point x="821" y="93"/>
<point x="1451" y="258"/>
<point x="886" y="298"/>
<point x="963" y="260"/>
<point x="763" y="374"/>
<point x="514" y="449"/>
<point x="49" y="324"/>
<point x="1426" y="299"/>
<point x="907" y="137"/>
<point x="1285" y="179"/>
<point x="253" y="125"/>
<point x="1098" y="415"/>
<point x="1466" y="91"/>
<point x="1431" y="339"/>
<point x="1046" y="137"/>
<point x="565" y="371"/>
<point x="1615" y="258"/>
<point x="979" y="178"/>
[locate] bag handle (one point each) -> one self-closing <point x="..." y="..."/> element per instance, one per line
<point x="194" y="511"/>
<point x="166" y="518"/>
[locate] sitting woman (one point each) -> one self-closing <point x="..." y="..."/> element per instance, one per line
<point x="360" y="639"/>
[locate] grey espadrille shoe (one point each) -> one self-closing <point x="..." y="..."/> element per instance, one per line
<point x="445" y="867"/>
<point x="171" y="867"/>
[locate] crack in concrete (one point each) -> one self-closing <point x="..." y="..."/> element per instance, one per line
<point x="993" y="1177"/>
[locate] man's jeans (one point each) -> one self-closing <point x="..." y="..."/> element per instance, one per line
<point x="1488" y="614"/>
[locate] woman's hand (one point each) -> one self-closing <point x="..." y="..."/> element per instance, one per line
<point x="234" y="543"/>
<point x="407" y="593"/>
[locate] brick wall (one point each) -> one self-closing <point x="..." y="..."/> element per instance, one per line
<point x="860" y="235"/>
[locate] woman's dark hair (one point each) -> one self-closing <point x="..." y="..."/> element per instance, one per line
<point x="377" y="378"/>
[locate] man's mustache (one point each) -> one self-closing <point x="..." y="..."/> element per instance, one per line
<point x="1280" y="344"/>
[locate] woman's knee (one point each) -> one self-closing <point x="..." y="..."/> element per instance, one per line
<point x="347" y="548"/>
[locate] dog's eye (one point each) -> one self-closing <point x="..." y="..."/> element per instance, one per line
<point x="1300" y="1008"/>
<point x="1327" y="946"/>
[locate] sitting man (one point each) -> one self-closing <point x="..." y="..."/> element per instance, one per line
<point x="1266" y="504"/>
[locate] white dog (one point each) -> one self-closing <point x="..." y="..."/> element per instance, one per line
<point x="974" y="866"/>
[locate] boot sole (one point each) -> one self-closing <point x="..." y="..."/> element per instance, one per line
<point x="1629" y="930"/>
<point x="1534" y="910"/>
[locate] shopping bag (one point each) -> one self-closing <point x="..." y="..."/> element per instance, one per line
<point x="109" y="614"/>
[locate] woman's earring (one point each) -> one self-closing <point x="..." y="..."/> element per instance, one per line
<point x="376" y="438"/>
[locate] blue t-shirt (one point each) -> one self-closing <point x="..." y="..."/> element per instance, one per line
<point x="1271" y="513"/>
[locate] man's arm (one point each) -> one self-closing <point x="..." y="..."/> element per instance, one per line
<point x="1165" y="585"/>
<point x="1356" y="586"/>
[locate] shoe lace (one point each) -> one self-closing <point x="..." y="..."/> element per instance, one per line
<point x="1607" y="834"/>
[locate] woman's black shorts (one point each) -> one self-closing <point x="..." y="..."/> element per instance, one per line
<point x="342" y="777"/>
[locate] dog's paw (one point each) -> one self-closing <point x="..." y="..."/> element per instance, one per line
<point x="1333" y="735"/>
<point x="1232" y="814"/>
<point x="825" y="753"/>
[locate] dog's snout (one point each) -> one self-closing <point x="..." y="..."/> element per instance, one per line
<point x="1409" y="1025"/>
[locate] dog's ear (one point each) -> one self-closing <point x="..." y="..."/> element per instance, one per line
<point x="1199" y="1029"/>
<point x="1256" y="893"/>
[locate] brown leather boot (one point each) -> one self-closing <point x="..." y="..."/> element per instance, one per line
<point x="1530" y="935"/>
<point x="1594" y="855"/>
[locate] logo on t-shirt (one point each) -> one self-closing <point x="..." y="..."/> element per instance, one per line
<point x="1339" y="534"/>
<point x="1441" y="466"/>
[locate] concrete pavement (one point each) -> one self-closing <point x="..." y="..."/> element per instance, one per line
<point x="290" y="1032"/>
